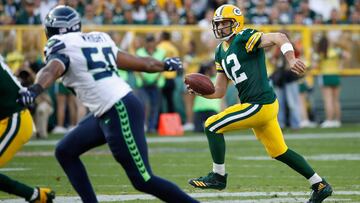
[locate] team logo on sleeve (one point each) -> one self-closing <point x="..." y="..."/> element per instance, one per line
<point x="51" y="42"/>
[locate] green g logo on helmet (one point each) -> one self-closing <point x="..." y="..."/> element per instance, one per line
<point x="230" y="14"/>
<point x="237" y="11"/>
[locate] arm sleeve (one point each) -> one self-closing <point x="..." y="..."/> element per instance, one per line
<point x="251" y="39"/>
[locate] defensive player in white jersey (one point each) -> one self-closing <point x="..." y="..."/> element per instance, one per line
<point x="87" y="63"/>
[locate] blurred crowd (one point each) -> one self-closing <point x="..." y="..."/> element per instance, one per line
<point x="165" y="93"/>
<point x="184" y="12"/>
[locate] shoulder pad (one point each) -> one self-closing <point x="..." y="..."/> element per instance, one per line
<point x="53" y="45"/>
<point x="250" y="38"/>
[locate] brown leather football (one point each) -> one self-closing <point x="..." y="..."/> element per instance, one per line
<point x="200" y="83"/>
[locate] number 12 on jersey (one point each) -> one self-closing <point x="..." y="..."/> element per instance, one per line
<point x="100" y="65"/>
<point x="236" y="75"/>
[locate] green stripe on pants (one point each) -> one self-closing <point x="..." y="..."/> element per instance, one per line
<point x="129" y="140"/>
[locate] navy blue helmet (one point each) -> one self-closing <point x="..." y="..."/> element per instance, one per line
<point x="61" y="20"/>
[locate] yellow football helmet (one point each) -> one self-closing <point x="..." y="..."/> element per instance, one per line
<point x="229" y="13"/>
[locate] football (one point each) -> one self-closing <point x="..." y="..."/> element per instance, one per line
<point x="200" y="83"/>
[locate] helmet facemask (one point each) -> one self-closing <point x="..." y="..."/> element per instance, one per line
<point x="50" y="31"/>
<point x="226" y="32"/>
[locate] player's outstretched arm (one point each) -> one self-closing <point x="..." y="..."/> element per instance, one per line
<point x="44" y="78"/>
<point x="146" y="64"/>
<point x="220" y="87"/>
<point x="281" y="40"/>
<point x="51" y="72"/>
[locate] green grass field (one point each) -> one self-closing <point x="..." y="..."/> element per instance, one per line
<point x="253" y="177"/>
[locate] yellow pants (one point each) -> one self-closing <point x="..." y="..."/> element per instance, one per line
<point x="261" y="118"/>
<point x="15" y="131"/>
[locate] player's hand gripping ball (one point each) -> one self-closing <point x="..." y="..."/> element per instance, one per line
<point x="199" y="84"/>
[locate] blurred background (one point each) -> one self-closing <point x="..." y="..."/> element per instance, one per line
<point x="325" y="34"/>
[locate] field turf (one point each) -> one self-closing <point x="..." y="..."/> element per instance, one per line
<point x="253" y="176"/>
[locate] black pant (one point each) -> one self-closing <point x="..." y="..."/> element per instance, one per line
<point x="168" y="92"/>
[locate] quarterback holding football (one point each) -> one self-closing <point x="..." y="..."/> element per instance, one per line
<point x="240" y="58"/>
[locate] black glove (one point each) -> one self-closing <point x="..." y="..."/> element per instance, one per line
<point x="27" y="96"/>
<point x="172" y="64"/>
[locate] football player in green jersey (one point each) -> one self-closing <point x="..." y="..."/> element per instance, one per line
<point x="240" y="58"/>
<point x="16" y="128"/>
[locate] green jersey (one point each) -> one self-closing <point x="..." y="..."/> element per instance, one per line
<point x="9" y="92"/>
<point x="243" y="62"/>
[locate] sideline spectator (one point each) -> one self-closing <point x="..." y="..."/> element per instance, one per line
<point x="90" y="17"/>
<point x="10" y="8"/>
<point x="44" y="8"/>
<point x="285" y="12"/>
<point x="204" y="108"/>
<point x="188" y="18"/>
<point x="170" y="85"/>
<point x="324" y="7"/>
<point x="43" y="111"/>
<point x="299" y="18"/>
<point x="118" y="12"/>
<point x="139" y="11"/>
<point x="343" y="10"/>
<point x="27" y="15"/>
<point x="13" y="57"/>
<point x="198" y="7"/>
<point x="287" y="91"/>
<point x="191" y="65"/>
<point x="43" y="105"/>
<point x="304" y="90"/>
<point x="78" y="5"/>
<point x="108" y="17"/>
<point x="334" y="17"/>
<point x="151" y="83"/>
<point x="206" y="34"/>
<point x="259" y="14"/>
<point x="128" y="16"/>
<point x="152" y="18"/>
<point x="64" y="100"/>
<point x="329" y="64"/>
<point x="309" y="14"/>
<point x="355" y="18"/>
<point x="170" y="14"/>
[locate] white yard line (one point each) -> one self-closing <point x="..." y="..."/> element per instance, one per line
<point x="230" y="138"/>
<point x="319" y="157"/>
<point x="289" y="197"/>
<point x="273" y="200"/>
<point x="267" y="196"/>
<point x="14" y="169"/>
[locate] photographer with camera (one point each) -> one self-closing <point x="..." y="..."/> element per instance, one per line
<point x="42" y="108"/>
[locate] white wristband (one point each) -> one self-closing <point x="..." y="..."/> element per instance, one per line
<point x="286" y="47"/>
